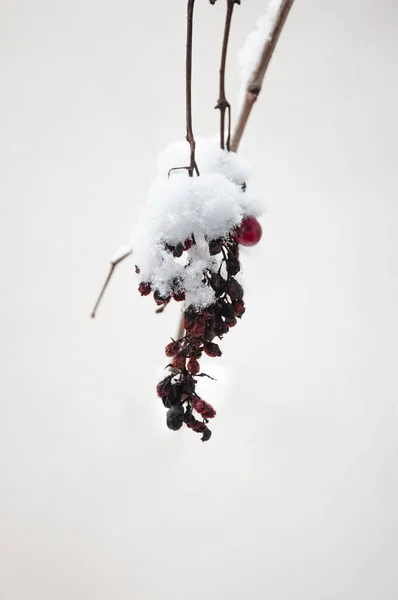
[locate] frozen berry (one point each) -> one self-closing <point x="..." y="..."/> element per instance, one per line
<point x="179" y="296"/>
<point x="215" y="247"/>
<point x="144" y="288"/>
<point x="250" y="233"/>
<point x="160" y="299"/>
<point x="188" y="244"/>
<point x="178" y="250"/>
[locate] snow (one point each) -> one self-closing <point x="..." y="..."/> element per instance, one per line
<point x="250" y="53"/>
<point x="208" y="207"/>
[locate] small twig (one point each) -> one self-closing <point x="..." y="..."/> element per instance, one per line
<point x="114" y="263"/>
<point x="222" y="102"/>
<point x="255" y="82"/>
<point x="190" y="137"/>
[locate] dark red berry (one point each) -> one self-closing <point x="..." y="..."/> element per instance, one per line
<point x="193" y="366"/>
<point x="203" y="408"/>
<point x="164" y="387"/>
<point x="251" y="232"/>
<point x="218" y="283"/>
<point x="212" y="349"/>
<point x="234" y="290"/>
<point x="239" y="307"/>
<point x="233" y="265"/>
<point x="172" y="349"/>
<point x="231" y="322"/>
<point x="179" y="296"/>
<point x="144" y="288"/>
<point x="188" y="244"/>
<point x="179" y="362"/>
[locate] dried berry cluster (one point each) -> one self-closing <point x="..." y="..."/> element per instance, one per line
<point x="177" y="390"/>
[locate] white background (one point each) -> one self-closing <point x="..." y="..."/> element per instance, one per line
<point x="296" y="494"/>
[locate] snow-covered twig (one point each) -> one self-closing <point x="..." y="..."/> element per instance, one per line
<point x="255" y="81"/>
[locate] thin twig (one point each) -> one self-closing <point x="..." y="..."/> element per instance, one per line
<point x="114" y="263"/>
<point x="255" y="82"/>
<point x="190" y="137"/>
<point x="222" y="102"/>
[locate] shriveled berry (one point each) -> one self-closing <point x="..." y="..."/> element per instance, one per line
<point x="251" y="232"/>
<point x="174" y="417"/>
<point x="203" y="408"/>
<point x="234" y="290"/>
<point x="193" y="365"/>
<point x="206" y="435"/>
<point x="233" y="265"/>
<point x="164" y="387"/>
<point x="172" y="349"/>
<point x="212" y="349"/>
<point x="179" y="362"/>
<point x="218" y="283"/>
<point x="137" y="269"/>
<point x="197" y="327"/>
<point x="215" y="247"/>
<point x="231" y="322"/>
<point x="239" y="307"/>
<point x="228" y="311"/>
<point x="144" y="288"/>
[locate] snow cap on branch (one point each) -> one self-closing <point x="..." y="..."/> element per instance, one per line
<point x="181" y="208"/>
<point x="250" y="53"/>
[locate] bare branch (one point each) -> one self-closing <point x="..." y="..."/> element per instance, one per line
<point x="256" y="80"/>
<point x="114" y="263"/>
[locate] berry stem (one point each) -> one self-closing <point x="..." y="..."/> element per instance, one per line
<point x="222" y="102"/>
<point x="190" y="137"/>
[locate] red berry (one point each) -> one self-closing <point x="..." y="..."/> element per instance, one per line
<point x="193" y="366"/>
<point x="239" y="307"/>
<point x="144" y="288"/>
<point x="179" y="362"/>
<point x="212" y="349"/>
<point x="179" y="296"/>
<point x="250" y="233"/>
<point x="188" y="244"/>
<point x="172" y="349"/>
<point x="203" y="408"/>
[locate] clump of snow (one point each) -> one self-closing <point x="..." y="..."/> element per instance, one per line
<point x="250" y="53"/>
<point x="178" y="207"/>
